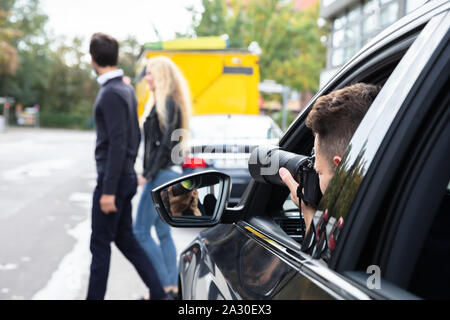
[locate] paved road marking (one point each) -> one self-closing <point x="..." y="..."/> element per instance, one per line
<point x="67" y="282"/>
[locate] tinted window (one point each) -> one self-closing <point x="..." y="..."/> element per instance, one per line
<point x="431" y="277"/>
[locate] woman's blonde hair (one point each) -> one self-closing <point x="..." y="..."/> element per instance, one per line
<point x="169" y="82"/>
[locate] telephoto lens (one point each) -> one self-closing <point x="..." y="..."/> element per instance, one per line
<point x="265" y="161"/>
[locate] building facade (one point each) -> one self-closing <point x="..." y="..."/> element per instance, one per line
<point x="353" y="23"/>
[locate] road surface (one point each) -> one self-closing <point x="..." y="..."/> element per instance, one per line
<point x="46" y="183"/>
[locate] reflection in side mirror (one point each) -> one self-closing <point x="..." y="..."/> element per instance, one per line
<point x="193" y="201"/>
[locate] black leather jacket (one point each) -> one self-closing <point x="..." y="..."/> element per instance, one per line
<point x="158" y="144"/>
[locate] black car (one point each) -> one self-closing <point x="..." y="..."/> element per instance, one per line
<point x="382" y="227"/>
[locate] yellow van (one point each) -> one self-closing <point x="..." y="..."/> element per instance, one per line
<point x="221" y="80"/>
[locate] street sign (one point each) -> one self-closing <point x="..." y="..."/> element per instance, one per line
<point x="270" y="86"/>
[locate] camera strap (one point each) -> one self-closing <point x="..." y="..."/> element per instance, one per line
<point x="301" y="183"/>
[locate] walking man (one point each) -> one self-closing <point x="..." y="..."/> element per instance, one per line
<point x="116" y="149"/>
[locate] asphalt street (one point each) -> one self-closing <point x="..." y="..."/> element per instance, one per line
<point x="46" y="182"/>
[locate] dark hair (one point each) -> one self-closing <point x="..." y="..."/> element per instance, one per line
<point x="104" y="49"/>
<point x="336" y="116"/>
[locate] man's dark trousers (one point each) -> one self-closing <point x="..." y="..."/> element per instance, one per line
<point x="117" y="227"/>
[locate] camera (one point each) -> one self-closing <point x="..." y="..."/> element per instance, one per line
<point x="192" y="183"/>
<point x="184" y="187"/>
<point x="265" y="161"/>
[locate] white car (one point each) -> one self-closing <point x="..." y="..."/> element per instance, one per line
<point x="224" y="142"/>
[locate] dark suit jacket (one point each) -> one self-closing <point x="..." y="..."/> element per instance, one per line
<point x="118" y="134"/>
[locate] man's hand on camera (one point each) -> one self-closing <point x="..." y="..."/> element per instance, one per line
<point x="180" y="203"/>
<point x="289" y="181"/>
<point x="194" y="204"/>
<point x="107" y="203"/>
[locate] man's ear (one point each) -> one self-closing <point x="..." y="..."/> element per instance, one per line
<point x="337" y="160"/>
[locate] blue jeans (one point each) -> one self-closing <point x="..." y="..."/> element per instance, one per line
<point x="164" y="255"/>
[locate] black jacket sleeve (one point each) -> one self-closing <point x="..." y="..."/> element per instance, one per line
<point x="165" y="139"/>
<point x="114" y="110"/>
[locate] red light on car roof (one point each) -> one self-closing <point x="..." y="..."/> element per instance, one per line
<point x="193" y="163"/>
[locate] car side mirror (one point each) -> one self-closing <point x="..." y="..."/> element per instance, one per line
<point x="195" y="200"/>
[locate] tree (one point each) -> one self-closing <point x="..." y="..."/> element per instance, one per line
<point x="292" y="53"/>
<point x="60" y="80"/>
<point x="213" y="20"/>
<point x="8" y="53"/>
<point x="23" y="29"/>
<point x="129" y="52"/>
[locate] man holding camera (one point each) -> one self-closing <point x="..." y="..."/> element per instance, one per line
<point x="333" y="120"/>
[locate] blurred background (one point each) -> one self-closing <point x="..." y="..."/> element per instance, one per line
<point x="252" y="66"/>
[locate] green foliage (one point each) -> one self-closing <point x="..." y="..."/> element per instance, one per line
<point x="129" y="51"/>
<point x="278" y="118"/>
<point x="8" y="53"/>
<point x="213" y="19"/>
<point x="292" y="53"/>
<point x="57" y="76"/>
<point x="65" y="120"/>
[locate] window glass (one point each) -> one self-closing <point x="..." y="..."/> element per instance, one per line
<point x="413" y="5"/>
<point x="431" y="278"/>
<point x="350" y="52"/>
<point x="338" y="38"/>
<point x="353" y="15"/>
<point x="352" y="33"/>
<point x="339" y="22"/>
<point x="366" y="40"/>
<point x="388" y="14"/>
<point x="370" y="24"/>
<point x="370" y="7"/>
<point x="337" y="57"/>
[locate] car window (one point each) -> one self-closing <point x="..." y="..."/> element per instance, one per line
<point x="237" y="128"/>
<point x="431" y="279"/>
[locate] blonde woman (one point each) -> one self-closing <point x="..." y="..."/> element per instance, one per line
<point x="169" y="111"/>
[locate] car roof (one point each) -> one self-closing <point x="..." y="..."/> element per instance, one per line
<point x="235" y="117"/>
